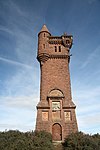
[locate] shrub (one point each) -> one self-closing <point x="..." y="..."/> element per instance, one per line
<point x="15" y="140"/>
<point x="81" y="141"/>
<point x="42" y="140"/>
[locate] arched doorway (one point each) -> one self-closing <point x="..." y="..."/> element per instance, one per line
<point x="57" y="132"/>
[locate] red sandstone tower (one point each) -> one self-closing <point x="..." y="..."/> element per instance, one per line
<point x="56" y="110"/>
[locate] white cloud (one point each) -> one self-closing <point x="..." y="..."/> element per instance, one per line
<point x="15" y="8"/>
<point x="87" y="93"/>
<point x="21" y="93"/>
<point x="89" y="123"/>
<point x="15" y="63"/>
<point x="24" y="102"/>
<point x="24" y="82"/>
<point x="86" y="98"/>
<point x="17" y="118"/>
<point x="21" y="127"/>
<point x="91" y="56"/>
<point x="21" y="26"/>
<point x="2" y="28"/>
<point x="20" y="98"/>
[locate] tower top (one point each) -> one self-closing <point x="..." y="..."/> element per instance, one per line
<point x="44" y="29"/>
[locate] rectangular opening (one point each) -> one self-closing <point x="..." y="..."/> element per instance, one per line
<point x="59" y="48"/>
<point x="55" y="48"/>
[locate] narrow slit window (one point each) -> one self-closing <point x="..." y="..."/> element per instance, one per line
<point x="44" y="34"/>
<point x="43" y="45"/>
<point x="55" y="48"/>
<point x="59" y="48"/>
<point x="67" y="42"/>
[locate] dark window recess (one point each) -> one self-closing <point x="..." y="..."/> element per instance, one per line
<point x="59" y="48"/>
<point x="55" y="48"/>
<point x="43" y="45"/>
<point x="44" y="34"/>
<point x="67" y="42"/>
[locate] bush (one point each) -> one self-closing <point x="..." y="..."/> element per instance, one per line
<point x="42" y="140"/>
<point x="81" y="141"/>
<point x="15" y="140"/>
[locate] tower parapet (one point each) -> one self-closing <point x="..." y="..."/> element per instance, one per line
<point x="53" y="46"/>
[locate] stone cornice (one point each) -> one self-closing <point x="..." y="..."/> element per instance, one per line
<point x="59" y="56"/>
<point x="44" y="57"/>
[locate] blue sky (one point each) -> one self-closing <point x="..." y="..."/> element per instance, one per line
<point x="20" y="22"/>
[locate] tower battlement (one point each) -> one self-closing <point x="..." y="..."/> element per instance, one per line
<point x="53" y="45"/>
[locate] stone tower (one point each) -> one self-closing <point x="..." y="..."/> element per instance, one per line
<point x="56" y="110"/>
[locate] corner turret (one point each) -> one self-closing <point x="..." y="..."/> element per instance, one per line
<point x="44" y="29"/>
<point x="43" y="36"/>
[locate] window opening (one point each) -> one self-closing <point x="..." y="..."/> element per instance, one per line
<point x="59" y="48"/>
<point x="55" y="48"/>
<point x="67" y="42"/>
<point x="43" y="45"/>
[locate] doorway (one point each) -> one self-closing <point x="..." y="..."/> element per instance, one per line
<point x="57" y="132"/>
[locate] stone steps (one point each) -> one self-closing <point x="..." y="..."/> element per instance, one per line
<point x="58" y="145"/>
